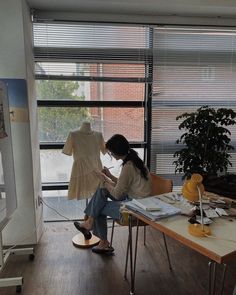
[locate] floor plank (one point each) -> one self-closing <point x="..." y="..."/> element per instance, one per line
<point x="60" y="268"/>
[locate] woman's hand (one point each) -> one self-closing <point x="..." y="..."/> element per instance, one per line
<point x="106" y="171"/>
<point x="100" y="175"/>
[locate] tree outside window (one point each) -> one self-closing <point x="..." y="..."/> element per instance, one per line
<point x="56" y="122"/>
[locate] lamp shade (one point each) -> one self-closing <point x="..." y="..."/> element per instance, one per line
<point x="190" y="187"/>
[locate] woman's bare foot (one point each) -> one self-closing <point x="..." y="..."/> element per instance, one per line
<point x="103" y="244"/>
<point x="88" y="224"/>
<point x="103" y="248"/>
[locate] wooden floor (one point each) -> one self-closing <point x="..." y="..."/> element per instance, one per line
<point x="60" y="269"/>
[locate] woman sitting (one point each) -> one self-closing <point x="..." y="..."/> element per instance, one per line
<point x="134" y="182"/>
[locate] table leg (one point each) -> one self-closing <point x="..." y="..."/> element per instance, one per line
<point x="131" y="257"/>
<point x="223" y="278"/>
<point x="136" y="247"/>
<point x="126" y="259"/>
<point x="212" y="278"/>
<point x="209" y="277"/>
<point x="167" y="251"/>
<point x="135" y="252"/>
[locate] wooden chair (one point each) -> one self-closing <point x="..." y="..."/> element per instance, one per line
<point x="159" y="186"/>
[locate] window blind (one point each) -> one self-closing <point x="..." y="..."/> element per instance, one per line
<point x="192" y="67"/>
<point x="64" y="49"/>
<point x="89" y="72"/>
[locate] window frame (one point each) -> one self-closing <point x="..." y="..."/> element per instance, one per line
<point x="145" y="104"/>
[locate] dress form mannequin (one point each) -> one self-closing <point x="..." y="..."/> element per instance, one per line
<point x="86" y="127"/>
<point x="85" y="145"/>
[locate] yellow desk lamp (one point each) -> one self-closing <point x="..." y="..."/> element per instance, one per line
<point x="192" y="190"/>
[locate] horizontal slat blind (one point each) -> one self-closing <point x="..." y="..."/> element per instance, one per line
<point x="76" y="35"/>
<point x="94" y="72"/>
<point x="67" y="49"/>
<point x="191" y="67"/>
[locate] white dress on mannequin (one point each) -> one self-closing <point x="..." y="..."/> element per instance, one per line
<point x="85" y="146"/>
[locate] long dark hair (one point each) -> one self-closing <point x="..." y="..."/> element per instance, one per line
<point x="119" y="146"/>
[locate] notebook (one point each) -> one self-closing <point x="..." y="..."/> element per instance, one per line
<point x="148" y="204"/>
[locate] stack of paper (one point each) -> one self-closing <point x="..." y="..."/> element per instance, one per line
<point x="162" y="210"/>
<point x="148" y="204"/>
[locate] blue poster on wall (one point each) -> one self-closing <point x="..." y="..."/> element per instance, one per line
<point x="18" y="99"/>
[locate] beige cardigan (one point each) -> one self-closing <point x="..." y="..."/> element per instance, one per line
<point x="131" y="183"/>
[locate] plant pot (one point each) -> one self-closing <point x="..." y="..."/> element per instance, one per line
<point x="224" y="185"/>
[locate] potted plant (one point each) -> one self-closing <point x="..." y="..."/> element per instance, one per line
<point x="205" y="142"/>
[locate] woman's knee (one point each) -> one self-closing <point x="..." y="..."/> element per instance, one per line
<point x="101" y="193"/>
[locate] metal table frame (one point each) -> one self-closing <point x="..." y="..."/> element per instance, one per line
<point x="133" y="255"/>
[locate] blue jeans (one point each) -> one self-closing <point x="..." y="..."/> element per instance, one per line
<point x="100" y="207"/>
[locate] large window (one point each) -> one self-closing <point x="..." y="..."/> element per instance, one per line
<point x="89" y="72"/>
<point x="125" y="79"/>
<point x="191" y="67"/>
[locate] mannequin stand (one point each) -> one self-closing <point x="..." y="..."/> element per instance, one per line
<point x="80" y="242"/>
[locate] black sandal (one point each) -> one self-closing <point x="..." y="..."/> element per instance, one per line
<point x="87" y="234"/>
<point x="107" y="251"/>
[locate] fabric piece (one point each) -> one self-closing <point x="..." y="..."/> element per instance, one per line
<point x="85" y="148"/>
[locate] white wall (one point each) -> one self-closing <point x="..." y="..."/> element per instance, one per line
<point x="12" y="55"/>
<point x="33" y="117"/>
<point x="16" y="62"/>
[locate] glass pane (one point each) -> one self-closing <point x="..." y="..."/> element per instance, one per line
<point x="55" y="123"/>
<point x="89" y="91"/>
<point x="56" y="167"/>
<point x="58" y="207"/>
<point x="124" y="70"/>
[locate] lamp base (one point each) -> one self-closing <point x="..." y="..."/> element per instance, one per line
<point x="198" y="231"/>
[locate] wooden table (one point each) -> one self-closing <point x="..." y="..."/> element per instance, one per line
<point x="219" y="250"/>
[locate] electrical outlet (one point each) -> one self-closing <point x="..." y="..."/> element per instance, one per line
<point x="40" y="201"/>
